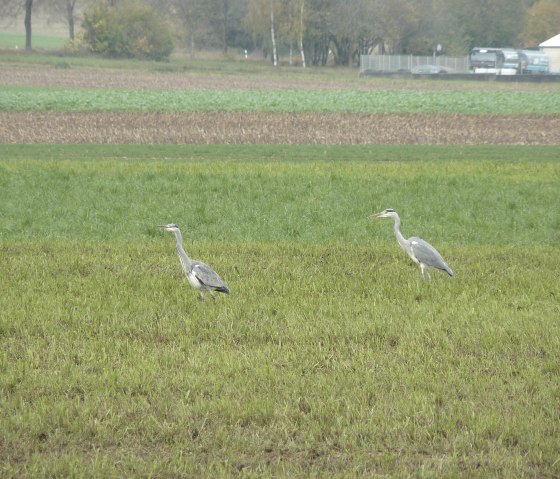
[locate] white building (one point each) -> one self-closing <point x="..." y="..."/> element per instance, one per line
<point x="552" y="48"/>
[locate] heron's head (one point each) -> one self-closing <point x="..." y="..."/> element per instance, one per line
<point x="388" y="213"/>
<point x="170" y="227"/>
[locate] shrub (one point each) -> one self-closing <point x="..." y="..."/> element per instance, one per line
<point x="77" y="45"/>
<point x="129" y="29"/>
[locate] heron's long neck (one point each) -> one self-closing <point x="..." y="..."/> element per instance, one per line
<point x="398" y="234"/>
<point x="185" y="260"/>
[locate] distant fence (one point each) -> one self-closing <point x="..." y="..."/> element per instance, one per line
<point x="406" y="63"/>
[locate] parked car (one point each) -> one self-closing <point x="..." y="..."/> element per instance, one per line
<point x="430" y="69"/>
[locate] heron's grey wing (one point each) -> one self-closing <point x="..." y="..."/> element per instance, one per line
<point x="428" y="255"/>
<point x="208" y="277"/>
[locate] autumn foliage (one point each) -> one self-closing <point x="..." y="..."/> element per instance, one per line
<point x="130" y="29"/>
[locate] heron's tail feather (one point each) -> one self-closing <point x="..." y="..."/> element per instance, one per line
<point x="222" y="289"/>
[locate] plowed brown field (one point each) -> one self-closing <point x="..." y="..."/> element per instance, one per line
<point x="257" y="128"/>
<point x="195" y="80"/>
<point x="262" y="128"/>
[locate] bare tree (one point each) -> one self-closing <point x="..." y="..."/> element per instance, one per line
<point x="12" y="9"/>
<point x="301" y="26"/>
<point x="219" y="12"/>
<point x="273" y="35"/>
<point x="65" y="9"/>
<point x="189" y="14"/>
<point x="223" y="20"/>
<point x="70" y="5"/>
<point x="260" y="20"/>
<point x="27" y="23"/>
<point x="294" y="26"/>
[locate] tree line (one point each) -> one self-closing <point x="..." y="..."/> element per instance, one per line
<point x="310" y="32"/>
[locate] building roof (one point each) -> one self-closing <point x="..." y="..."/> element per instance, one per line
<point x="551" y="42"/>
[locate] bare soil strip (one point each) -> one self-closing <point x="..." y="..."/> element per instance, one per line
<point x="275" y="128"/>
<point x="195" y="80"/>
<point x="187" y="80"/>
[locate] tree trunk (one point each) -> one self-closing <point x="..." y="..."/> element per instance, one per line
<point x="70" y="16"/>
<point x="225" y="24"/>
<point x="291" y="22"/>
<point x="291" y="53"/>
<point x="301" y="35"/>
<point x="191" y="35"/>
<point x="27" y="23"/>
<point x="343" y="50"/>
<point x="274" y="51"/>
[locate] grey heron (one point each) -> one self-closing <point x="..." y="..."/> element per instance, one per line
<point x="199" y="274"/>
<point x="421" y="252"/>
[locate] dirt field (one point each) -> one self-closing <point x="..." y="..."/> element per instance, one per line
<point x="262" y="128"/>
<point x="248" y="79"/>
<point x="256" y="128"/>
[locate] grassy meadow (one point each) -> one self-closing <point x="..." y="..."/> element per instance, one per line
<point x="329" y="358"/>
<point x="45" y="41"/>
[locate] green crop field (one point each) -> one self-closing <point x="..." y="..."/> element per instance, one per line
<point x="328" y="359"/>
<point x="347" y="100"/>
<point x="16" y="41"/>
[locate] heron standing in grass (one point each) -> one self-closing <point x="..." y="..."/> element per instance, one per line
<point x="420" y="251"/>
<point x="199" y="274"/>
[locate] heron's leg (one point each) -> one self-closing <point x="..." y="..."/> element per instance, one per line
<point x="429" y="277"/>
<point x="419" y="297"/>
<point x="201" y="296"/>
<point x="213" y="295"/>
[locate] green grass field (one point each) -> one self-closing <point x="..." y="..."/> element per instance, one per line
<point x="329" y="358"/>
<point x="16" y="41"/>
<point x="355" y="101"/>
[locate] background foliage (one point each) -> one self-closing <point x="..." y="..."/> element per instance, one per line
<point x="334" y="31"/>
<point x="129" y="29"/>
